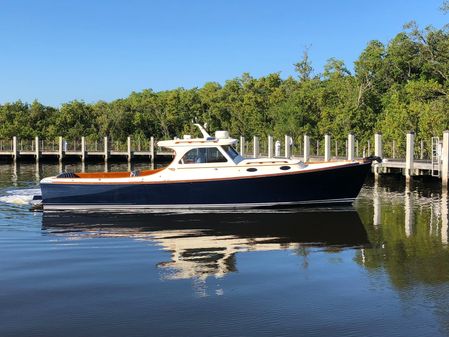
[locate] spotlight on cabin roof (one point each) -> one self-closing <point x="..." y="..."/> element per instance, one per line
<point x="187" y="137"/>
<point x="222" y="134"/>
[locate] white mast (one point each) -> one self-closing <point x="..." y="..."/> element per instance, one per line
<point x="203" y="131"/>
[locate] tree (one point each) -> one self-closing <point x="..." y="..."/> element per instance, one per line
<point x="304" y="66"/>
<point x="445" y="6"/>
<point x="396" y="87"/>
<point x="75" y="119"/>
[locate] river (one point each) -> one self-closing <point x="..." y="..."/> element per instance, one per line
<point x="378" y="268"/>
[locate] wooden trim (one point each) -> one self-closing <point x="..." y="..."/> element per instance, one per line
<point x="98" y="175"/>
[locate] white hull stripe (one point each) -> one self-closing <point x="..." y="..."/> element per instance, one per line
<point x="193" y="206"/>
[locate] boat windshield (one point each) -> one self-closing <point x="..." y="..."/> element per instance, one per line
<point x="232" y="153"/>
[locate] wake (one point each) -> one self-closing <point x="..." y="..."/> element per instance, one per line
<point x="19" y="196"/>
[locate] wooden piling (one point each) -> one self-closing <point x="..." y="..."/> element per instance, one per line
<point x="152" y="149"/>
<point x="350" y="149"/>
<point x="287" y="146"/>
<point x="242" y="146"/>
<point x="306" y="148"/>
<point x="15" y="150"/>
<point x="327" y="147"/>
<point x="336" y="148"/>
<point x="378" y="150"/>
<point x="409" y="155"/>
<point x="37" y="150"/>
<point x="83" y="149"/>
<point x="129" y="150"/>
<point x="106" y="149"/>
<point x="256" y="148"/>
<point x="270" y="146"/>
<point x="61" y="151"/>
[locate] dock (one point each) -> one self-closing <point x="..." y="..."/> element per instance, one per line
<point x="409" y="157"/>
<point x="80" y="150"/>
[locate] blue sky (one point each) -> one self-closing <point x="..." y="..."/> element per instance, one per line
<point x="60" y="50"/>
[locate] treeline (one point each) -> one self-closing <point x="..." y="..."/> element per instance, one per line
<point x="394" y="88"/>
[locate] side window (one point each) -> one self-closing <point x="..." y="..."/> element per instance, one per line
<point x="214" y="156"/>
<point x="194" y="156"/>
<point x="203" y="155"/>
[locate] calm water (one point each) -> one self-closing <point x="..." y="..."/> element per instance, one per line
<point x="380" y="268"/>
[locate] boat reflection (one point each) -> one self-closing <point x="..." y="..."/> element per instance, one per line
<point x="205" y="244"/>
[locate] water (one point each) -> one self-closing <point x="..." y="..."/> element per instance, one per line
<point x="380" y="268"/>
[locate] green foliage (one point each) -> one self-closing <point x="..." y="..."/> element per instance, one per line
<point x="396" y="87"/>
<point x="304" y="66"/>
<point x="445" y="7"/>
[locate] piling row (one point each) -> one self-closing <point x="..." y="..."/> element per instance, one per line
<point x="410" y="165"/>
<point x="61" y="152"/>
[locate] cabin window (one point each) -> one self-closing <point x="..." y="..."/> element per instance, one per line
<point x="203" y="155"/>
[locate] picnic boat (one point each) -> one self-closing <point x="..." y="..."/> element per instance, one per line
<point x="208" y="173"/>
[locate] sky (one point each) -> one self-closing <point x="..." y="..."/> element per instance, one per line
<point x="61" y="50"/>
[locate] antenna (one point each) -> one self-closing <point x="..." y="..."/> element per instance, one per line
<point x="203" y="131"/>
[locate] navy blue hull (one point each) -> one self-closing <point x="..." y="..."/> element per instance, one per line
<point x="322" y="186"/>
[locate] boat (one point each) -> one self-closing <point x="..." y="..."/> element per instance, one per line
<point x="208" y="173"/>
